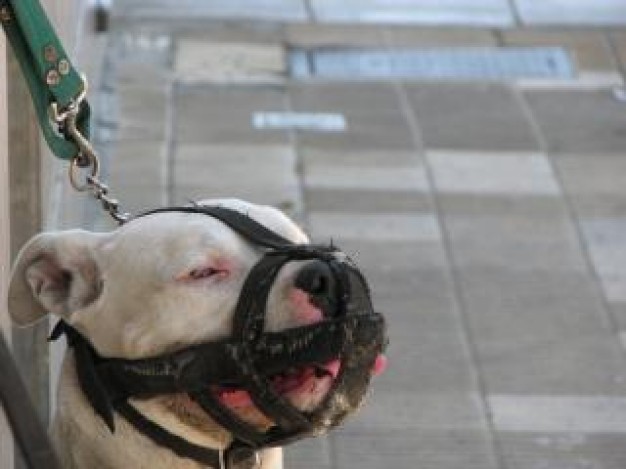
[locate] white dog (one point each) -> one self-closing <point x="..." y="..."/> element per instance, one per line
<point x="155" y="285"/>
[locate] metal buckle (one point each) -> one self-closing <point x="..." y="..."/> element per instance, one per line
<point x="240" y="457"/>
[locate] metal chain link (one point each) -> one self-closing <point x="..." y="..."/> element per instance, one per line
<point x="87" y="159"/>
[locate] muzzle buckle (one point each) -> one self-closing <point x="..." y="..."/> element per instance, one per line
<point x="240" y="457"/>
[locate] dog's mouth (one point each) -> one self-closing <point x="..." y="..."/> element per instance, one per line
<point x="313" y="381"/>
<point x="304" y="387"/>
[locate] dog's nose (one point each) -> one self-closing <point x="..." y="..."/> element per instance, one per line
<point x="317" y="280"/>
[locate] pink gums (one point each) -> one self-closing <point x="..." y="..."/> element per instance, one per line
<point x="236" y="399"/>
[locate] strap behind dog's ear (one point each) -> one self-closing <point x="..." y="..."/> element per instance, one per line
<point x="88" y="377"/>
<point x="242" y="224"/>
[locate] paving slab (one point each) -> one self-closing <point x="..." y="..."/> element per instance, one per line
<point x="218" y="31"/>
<point x="566" y="450"/>
<point x="308" y="453"/>
<point x="134" y="46"/>
<point x="515" y="244"/>
<point x="559" y="414"/>
<point x="308" y="35"/>
<point x="387" y="226"/>
<point x="358" y="97"/>
<point x="427" y="356"/>
<point x="582" y="12"/>
<point x="384" y="158"/>
<point x="619" y="40"/>
<point x="470" y="117"/>
<point x="396" y="410"/>
<point x="362" y="200"/>
<point x="201" y="61"/>
<point x="590" y="48"/>
<point x="472" y="204"/>
<point x="594" y="184"/>
<point x="368" y="130"/>
<point x="411" y="36"/>
<point x="431" y="12"/>
<point x="222" y="115"/>
<point x="593" y="174"/>
<point x="141" y="113"/>
<point x="407" y="178"/>
<point x="580" y="122"/>
<point x="526" y="174"/>
<point x="202" y="171"/>
<point x="418" y="448"/>
<point x="137" y="161"/>
<point x="618" y="311"/>
<point x="606" y="243"/>
<point x="137" y="174"/>
<point x="275" y="10"/>
<point x="382" y="258"/>
<point x="143" y="75"/>
<point x="543" y="333"/>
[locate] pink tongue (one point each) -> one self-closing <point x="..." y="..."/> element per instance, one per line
<point x="241" y="398"/>
<point x="333" y="368"/>
<point x="379" y="365"/>
<point x="236" y="398"/>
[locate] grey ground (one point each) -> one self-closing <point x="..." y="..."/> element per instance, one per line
<point x="490" y="217"/>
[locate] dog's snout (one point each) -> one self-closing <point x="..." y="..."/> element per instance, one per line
<point x="316" y="279"/>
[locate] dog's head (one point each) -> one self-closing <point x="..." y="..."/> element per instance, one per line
<point x="170" y="280"/>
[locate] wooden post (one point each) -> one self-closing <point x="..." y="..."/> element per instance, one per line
<point x="30" y="346"/>
<point x="6" y="439"/>
<point x="27" y="187"/>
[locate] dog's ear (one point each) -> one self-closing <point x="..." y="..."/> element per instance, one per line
<point x="54" y="273"/>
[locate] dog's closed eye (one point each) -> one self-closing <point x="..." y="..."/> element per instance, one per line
<point x="201" y="273"/>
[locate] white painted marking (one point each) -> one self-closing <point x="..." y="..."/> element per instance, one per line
<point x="555" y="414"/>
<point x="321" y="122"/>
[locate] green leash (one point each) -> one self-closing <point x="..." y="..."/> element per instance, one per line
<point x="52" y="80"/>
<point x="58" y="92"/>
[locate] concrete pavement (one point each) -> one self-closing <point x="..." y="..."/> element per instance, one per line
<point x="490" y="218"/>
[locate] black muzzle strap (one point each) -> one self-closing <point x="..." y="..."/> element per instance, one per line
<point x="252" y="358"/>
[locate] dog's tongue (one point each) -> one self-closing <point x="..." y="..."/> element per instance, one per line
<point x="380" y="365"/>
<point x="238" y="398"/>
<point x="235" y="398"/>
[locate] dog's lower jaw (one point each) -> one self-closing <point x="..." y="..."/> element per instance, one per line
<point x="83" y="441"/>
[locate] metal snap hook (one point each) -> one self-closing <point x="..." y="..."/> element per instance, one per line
<point x="84" y="161"/>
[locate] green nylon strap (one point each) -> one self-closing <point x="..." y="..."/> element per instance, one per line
<point x="49" y="74"/>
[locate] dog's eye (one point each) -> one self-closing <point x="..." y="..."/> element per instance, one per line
<point x="203" y="272"/>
